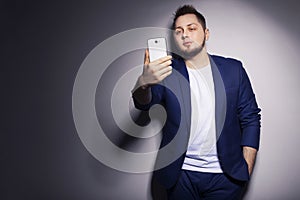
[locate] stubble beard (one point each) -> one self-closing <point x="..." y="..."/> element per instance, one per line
<point x="186" y="54"/>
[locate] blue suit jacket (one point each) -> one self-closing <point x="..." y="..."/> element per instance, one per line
<point x="237" y="118"/>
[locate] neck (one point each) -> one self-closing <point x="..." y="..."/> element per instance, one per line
<point x="198" y="61"/>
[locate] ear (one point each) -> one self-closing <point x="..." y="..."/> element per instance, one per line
<point x="206" y="34"/>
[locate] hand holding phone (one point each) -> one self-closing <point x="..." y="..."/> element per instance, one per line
<point x="157" y="64"/>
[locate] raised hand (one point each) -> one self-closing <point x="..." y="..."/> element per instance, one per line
<point x="156" y="71"/>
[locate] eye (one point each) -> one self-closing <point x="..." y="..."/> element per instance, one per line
<point x="192" y="28"/>
<point x="178" y="31"/>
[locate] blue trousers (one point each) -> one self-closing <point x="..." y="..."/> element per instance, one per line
<point x="205" y="186"/>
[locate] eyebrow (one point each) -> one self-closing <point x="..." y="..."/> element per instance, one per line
<point x="186" y="25"/>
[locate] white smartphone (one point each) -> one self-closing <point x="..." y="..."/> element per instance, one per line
<point x="157" y="48"/>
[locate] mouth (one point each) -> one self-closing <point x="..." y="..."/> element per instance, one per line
<point x="188" y="43"/>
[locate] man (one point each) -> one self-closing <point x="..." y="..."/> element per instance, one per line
<point x="223" y="132"/>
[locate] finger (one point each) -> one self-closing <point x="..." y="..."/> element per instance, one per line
<point x="162" y="60"/>
<point x="164" y="70"/>
<point x="146" y="57"/>
<point x="165" y="75"/>
<point x="161" y="66"/>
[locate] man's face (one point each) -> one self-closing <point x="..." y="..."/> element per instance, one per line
<point x="189" y="35"/>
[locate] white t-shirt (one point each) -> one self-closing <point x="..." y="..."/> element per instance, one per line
<point x="202" y="150"/>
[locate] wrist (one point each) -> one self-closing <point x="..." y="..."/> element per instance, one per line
<point x="142" y="83"/>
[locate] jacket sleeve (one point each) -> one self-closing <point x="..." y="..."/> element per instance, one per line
<point x="248" y="113"/>
<point x="157" y="96"/>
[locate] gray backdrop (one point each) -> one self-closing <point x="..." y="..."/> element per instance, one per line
<point x="43" y="46"/>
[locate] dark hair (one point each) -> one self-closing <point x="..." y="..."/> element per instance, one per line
<point x="189" y="9"/>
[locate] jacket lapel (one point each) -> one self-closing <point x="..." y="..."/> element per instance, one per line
<point x="220" y="97"/>
<point x="178" y="82"/>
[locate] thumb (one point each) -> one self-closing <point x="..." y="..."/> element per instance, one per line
<point x="146" y="58"/>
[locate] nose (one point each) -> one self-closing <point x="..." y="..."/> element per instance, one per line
<point x="184" y="35"/>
